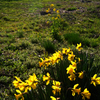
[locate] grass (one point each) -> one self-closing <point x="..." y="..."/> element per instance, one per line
<point x="49" y="46"/>
<point x="23" y="28"/>
<point x="73" y="38"/>
<point x="72" y="9"/>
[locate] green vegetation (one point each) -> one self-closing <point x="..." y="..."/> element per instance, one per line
<point x="49" y="46"/>
<point x="73" y="38"/>
<point x="25" y="35"/>
<point x="72" y="9"/>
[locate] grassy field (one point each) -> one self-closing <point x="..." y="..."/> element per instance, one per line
<point x="26" y="36"/>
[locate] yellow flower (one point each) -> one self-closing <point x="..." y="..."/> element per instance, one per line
<point x="45" y="62"/>
<point x="22" y="86"/>
<point x="95" y="80"/>
<point x="79" y="60"/>
<point x="41" y="63"/>
<point x="74" y="64"/>
<point x="18" y="79"/>
<point x="46" y="78"/>
<point x="47" y="11"/>
<point x="86" y="94"/>
<point x="49" y="14"/>
<point x="58" y="15"/>
<point x="79" y="47"/>
<point x="74" y="90"/>
<point x="27" y="88"/>
<point x="56" y="57"/>
<point x="19" y="95"/>
<point x="47" y="22"/>
<point x="51" y="5"/>
<point x="72" y="77"/>
<point x="52" y="98"/>
<point x="71" y="56"/>
<point x="51" y="60"/>
<point x="57" y="11"/>
<point x="32" y="81"/>
<point x="70" y="69"/>
<point x="81" y="74"/>
<point x="52" y="18"/>
<point x="54" y="9"/>
<point x="66" y="50"/>
<point x="16" y="82"/>
<point x="56" y="18"/>
<point x="56" y="87"/>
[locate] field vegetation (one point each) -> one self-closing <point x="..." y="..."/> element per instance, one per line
<point x="28" y="32"/>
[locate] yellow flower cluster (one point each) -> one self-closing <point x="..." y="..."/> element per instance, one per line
<point x="70" y="70"/>
<point x="79" y="48"/>
<point x="24" y="86"/>
<point x="95" y="81"/>
<point x="85" y="93"/>
<point x="48" y="10"/>
<point x="32" y="81"/>
<point x="55" y="58"/>
<point x="55" y="10"/>
<point x="46" y="78"/>
<point x="73" y="66"/>
<point x="53" y="98"/>
<point x="56" y="85"/>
